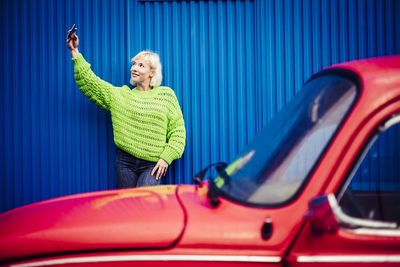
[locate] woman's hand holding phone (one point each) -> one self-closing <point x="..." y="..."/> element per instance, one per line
<point x="73" y="41"/>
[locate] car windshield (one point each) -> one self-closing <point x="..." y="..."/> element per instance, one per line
<point x="271" y="170"/>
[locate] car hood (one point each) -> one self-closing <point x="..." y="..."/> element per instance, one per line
<point x="146" y="217"/>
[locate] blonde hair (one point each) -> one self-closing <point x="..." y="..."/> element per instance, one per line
<point x="154" y="60"/>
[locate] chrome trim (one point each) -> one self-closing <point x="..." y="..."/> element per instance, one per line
<point x="348" y="221"/>
<point x="350" y="258"/>
<point x="380" y="232"/>
<point x="98" y="259"/>
<point x="389" y="123"/>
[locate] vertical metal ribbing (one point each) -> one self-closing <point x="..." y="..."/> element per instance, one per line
<point x="232" y="64"/>
<point x="7" y="149"/>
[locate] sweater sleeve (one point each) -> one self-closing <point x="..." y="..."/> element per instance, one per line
<point x="176" y="134"/>
<point x="94" y="88"/>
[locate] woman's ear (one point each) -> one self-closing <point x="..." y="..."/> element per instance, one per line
<point x="152" y="73"/>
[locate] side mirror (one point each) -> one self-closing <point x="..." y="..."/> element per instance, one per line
<point x="325" y="216"/>
<point x="321" y="215"/>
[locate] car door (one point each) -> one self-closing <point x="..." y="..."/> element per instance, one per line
<point x="368" y="198"/>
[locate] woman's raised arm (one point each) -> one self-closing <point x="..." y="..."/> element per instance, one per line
<point x="97" y="90"/>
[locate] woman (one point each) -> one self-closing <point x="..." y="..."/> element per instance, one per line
<point x="148" y="125"/>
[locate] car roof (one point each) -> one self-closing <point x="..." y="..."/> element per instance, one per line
<point x="371" y="66"/>
<point x="379" y="78"/>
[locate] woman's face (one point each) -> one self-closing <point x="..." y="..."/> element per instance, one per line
<point x="141" y="71"/>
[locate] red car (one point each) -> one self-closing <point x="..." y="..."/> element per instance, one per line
<point x="320" y="186"/>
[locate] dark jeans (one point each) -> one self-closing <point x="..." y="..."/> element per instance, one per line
<point x="133" y="172"/>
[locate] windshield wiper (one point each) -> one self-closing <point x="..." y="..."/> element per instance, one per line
<point x="219" y="166"/>
<point x="212" y="190"/>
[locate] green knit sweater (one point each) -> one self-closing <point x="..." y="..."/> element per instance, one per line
<point x="148" y="125"/>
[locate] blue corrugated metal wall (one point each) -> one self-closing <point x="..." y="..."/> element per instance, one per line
<point x="232" y="64"/>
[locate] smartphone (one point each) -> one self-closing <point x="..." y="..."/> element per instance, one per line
<point x="73" y="29"/>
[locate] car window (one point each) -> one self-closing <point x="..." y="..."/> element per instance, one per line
<point x="273" y="167"/>
<point x="373" y="191"/>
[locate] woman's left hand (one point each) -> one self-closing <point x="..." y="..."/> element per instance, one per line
<point x="161" y="168"/>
